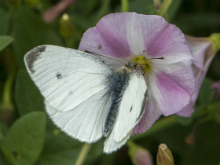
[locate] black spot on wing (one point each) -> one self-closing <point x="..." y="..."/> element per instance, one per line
<point x="131" y="108"/>
<point x="59" y="76"/>
<point x="32" y="56"/>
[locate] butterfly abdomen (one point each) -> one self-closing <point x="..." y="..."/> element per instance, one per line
<point x="118" y="84"/>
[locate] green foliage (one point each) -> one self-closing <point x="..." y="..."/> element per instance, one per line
<point x="5" y="41"/>
<point x="4" y="22"/>
<point x="27" y="134"/>
<point x="28" y="97"/>
<point x="29" y="32"/>
<point x="206" y="93"/>
<point x="25" y="143"/>
<point x="142" y="6"/>
<point x="205" y="149"/>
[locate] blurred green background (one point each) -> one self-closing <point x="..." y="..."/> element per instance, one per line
<point x="27" y="135"/>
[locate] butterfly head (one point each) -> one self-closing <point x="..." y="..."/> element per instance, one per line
<point x="142" y="64"/>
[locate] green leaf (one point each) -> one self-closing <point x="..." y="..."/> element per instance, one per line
<point x="206" y="93"/>
<point x="5" y="41"/>
<point x="184" y="120"/>
<point x="173" y="8"/>
<point x="104" y="10"/>
<point x="62" y="149"/>
<point x="26" y="137"/>
<point x="3" y="161"/>
<point x="27" y="95"/>
<point x="3" y="129"/>
<point x="29" y="32"/>
<point x="4" y="22"/>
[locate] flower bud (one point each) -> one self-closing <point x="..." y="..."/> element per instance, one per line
<point x="215" y="39"/>
<point x="66" y="26"/>
<point x="157" y="4"/>
<point x="190" y="139"/>
<point x="139" y="155"/>
<point x="164" y="155"/>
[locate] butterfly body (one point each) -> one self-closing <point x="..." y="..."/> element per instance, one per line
<point x="119" y="81"/>
<point x="85" y="97"/>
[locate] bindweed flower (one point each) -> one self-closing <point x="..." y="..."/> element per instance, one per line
<point x="52" y="13"/>
<point x="139" y="155"/>
<point x="203" y="50"/>
<point x="164" y="155"/>
<point x="155" y="45"/>
<point x="216" y="86"/>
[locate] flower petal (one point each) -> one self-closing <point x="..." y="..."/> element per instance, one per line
<point x="170" y="42"/>
<point x="177" y="68"/>
<point x="198" y="47"/>
<point x="167" y="95"/>
<point x="150" y="116"/>
<point x="108" y="36"/>
<point x="187" y="111"/>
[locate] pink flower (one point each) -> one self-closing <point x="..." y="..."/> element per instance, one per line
<point x="136" y="37"/>
<point x="203" y="54"/>
<point x="139" y="155"/>
<point x="52" y="13"/>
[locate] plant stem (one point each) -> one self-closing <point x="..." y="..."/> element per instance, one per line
<point x="124" y="6"/>
<point x="82" y="154"/>
<point x="164" y="7"/>
<point x="7" y="103"/>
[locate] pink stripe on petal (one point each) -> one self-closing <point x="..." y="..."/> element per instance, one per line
<point x="179" y="70"/>
<point x="94" y="42"/>
<point x="113" y="29"/>
<point x="170" y="43"/>
<point x="174" y="97"/>
<point x="152" y="27"/>
<point x="148" y="119"/>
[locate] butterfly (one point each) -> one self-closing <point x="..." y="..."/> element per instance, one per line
<point x="86" y="97"/>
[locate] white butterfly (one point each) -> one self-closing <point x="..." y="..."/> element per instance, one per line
<point x="86" y="97"/>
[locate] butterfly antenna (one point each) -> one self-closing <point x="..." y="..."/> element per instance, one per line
<point x="102" y="56"/>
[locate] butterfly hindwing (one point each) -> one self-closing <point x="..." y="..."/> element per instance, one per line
<point x="130" y="111"/>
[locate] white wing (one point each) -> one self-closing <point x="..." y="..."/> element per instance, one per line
<point x="130" y="111"/>
<point x="75" y="87"/>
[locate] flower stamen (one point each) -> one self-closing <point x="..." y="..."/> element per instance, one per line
<point x="142" y="63"/>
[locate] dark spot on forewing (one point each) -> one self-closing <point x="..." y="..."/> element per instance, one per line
<point x="32" y="56"/>
<point x="143" y="107"/>
<point x="131" y="108"/>
<point x="59" y="76"/>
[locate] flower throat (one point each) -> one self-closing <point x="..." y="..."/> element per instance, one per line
<point x="143" y="63"/>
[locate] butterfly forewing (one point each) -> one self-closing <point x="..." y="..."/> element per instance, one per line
<point x="75" y="87"/>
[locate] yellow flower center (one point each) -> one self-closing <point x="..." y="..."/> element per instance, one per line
<point x="141" y="61"/>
